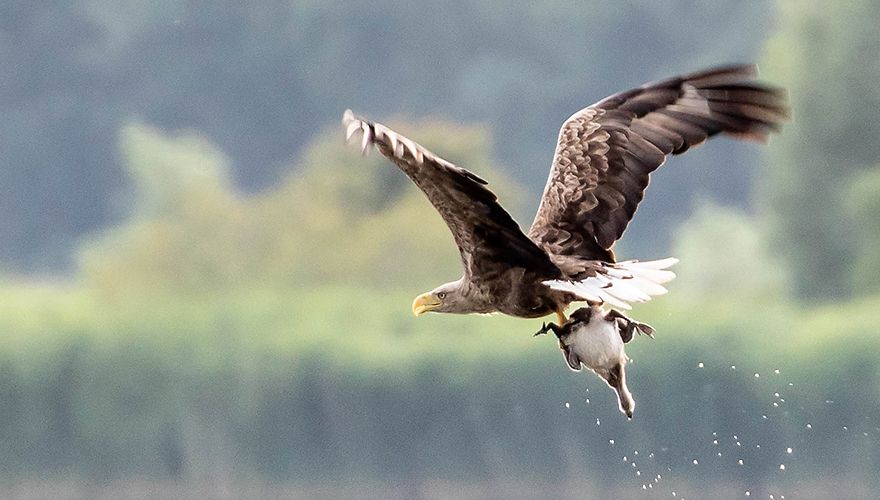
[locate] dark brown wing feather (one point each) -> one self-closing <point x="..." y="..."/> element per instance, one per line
<point x="488" y="238"/>
<point x="607" y="151"/>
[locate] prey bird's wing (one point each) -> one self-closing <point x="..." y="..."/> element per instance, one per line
<point x="606" y="152"/>
<point x="487" y="236"/>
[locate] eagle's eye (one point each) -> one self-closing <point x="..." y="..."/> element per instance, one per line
<point x="441" y="295"/>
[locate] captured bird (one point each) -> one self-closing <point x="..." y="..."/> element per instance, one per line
<point x="604" y="156"/>
<point x="594" y="338"/>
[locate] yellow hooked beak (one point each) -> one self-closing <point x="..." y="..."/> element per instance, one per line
<point x="424" y="303"/>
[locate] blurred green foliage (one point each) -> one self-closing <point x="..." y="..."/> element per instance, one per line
<point x="862" y="205"/>
<point x="270" y="334"/>
<point x="310" y="385"/>
<point x="723" y="251"/>
<point x="221" y="332"/>
<point x="338" y="219"/>
<point x="821" y="54"/>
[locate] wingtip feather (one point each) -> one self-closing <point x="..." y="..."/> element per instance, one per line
<point x="367" y="139"/>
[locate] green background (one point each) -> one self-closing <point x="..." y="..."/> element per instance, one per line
<point x="204" y="293"/>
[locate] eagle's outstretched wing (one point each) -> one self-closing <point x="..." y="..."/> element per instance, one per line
<point x="488" y="238"/>
<point x="606" y="152"/>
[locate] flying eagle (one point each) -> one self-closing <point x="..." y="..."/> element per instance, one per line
<point x="603" y="160"/>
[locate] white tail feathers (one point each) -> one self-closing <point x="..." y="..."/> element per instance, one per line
<point x="621" y="284"/>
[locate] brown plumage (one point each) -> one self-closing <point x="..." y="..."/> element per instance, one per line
<point x="607" y="151"/>
<point x="604" y="157"/>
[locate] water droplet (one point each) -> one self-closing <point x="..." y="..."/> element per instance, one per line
<point x="611" y="441"/>
<point x="781" y="466"/>
<point x="696" y="462"/>
<point x="789" y="450"/>
<point x="700" y="364"/>
<point x="739" y="462"/>
<point x="567" y="404"/>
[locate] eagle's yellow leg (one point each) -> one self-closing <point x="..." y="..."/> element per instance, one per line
<point x="560" y="316"/>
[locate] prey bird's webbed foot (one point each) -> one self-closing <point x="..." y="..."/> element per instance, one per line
<point x="629" y="326"/>
<point x="543" y="331"/>
<point x="548" y="327"/>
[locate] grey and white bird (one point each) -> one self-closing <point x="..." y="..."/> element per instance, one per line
<point x="595" y="338"/>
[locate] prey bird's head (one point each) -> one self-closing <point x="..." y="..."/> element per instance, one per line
<point x="447" y="298"/>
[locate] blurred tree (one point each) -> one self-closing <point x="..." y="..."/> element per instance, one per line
<point x="339" y="219"/>
<point x="862" y="204"/>
<point x="185" y="220"/>
<point x="361" y="220"/>
<point x="823" y="53"/>
<point x="723" y="253"/>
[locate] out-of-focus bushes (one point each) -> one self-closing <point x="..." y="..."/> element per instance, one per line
<point x="310" y="385"/>
<point x="341" y="220"/>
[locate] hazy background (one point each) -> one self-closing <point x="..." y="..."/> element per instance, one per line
<point x="204" y="293"/>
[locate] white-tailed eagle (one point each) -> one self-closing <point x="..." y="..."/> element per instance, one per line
<point x="603" y="160"/>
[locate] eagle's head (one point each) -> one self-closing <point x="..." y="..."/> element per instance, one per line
<point x="447" y="298"/>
